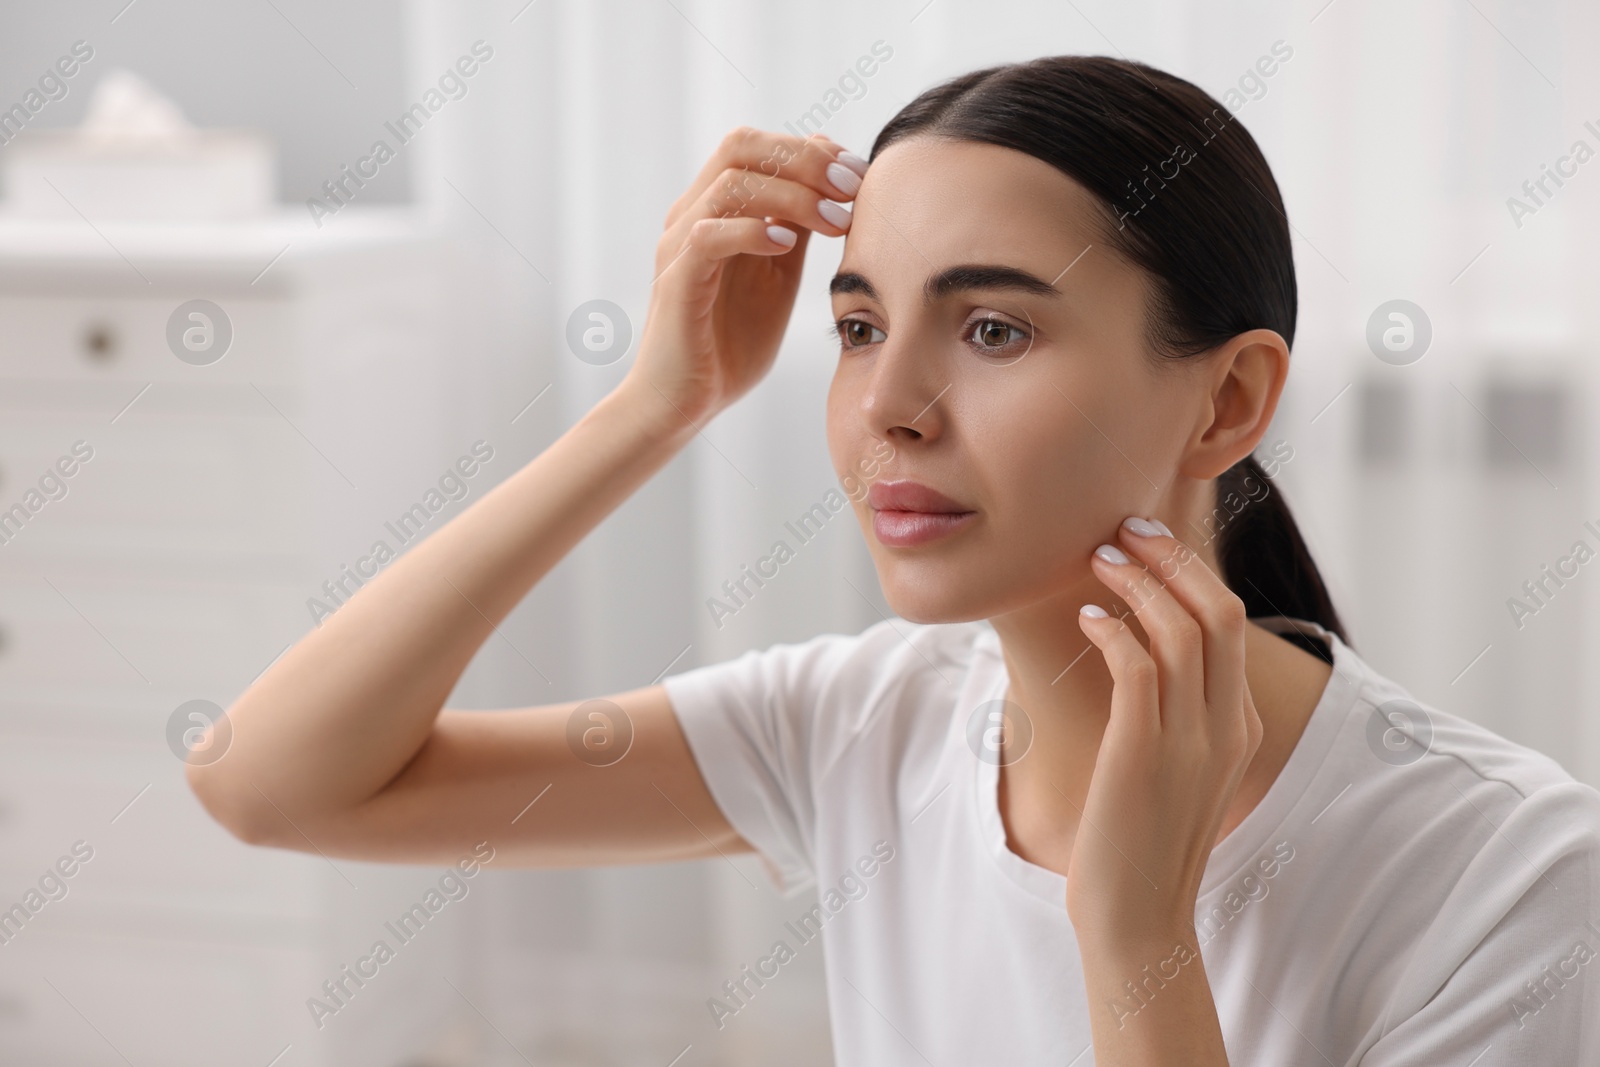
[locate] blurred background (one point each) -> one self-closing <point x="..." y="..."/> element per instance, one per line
<point x="240" y="346"/>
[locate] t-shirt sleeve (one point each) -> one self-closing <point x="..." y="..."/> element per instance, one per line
<point x="755" y="726"/>
<point x="1509" y="973"/>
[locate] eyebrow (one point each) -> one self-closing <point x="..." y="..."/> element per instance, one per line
<point x="960" y="278"/>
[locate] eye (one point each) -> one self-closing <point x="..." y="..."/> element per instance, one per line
<point x="995" y="335"/>
<point x="854" y="333"/>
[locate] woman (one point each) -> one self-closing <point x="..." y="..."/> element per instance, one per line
<point x="1184" y="824"/>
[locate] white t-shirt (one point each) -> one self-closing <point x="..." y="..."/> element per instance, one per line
<point x="1412" y="890"/>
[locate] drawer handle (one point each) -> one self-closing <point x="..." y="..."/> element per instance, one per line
<point x="99" y="342"/>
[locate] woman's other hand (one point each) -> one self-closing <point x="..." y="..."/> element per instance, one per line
<point x="1182" y="731"/>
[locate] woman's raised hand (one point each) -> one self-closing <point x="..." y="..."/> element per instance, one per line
<point x="729" y="260"/>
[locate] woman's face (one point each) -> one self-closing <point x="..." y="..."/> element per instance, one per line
<point x="1037" y="411"/>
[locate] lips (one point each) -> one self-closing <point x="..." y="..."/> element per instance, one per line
<point x="911" y="496"/>
<point x="906" y="514"/>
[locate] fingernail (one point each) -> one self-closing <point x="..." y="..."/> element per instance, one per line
<point x="844" y="179"/>
<point x="854" y="162"/>
<point x="834" y="213"/>
<point x="1143" y="527"/>
<point x="1111" y="554"/>
<point x="1163" y="527"/>
<point x="1094" y="611"/>
<point x="782" y="235"/>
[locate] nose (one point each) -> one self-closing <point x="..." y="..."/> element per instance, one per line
<point x="904" y="394"/>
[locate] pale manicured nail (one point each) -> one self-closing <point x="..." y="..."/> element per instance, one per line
<point x="837" y="214"/>
<point x="844" y="179"/>
<point x="1143" y="527"/>
<point x="1094" y="611"/>
<point x="1163" y="527"/>
<point x="854" y="162"/>
<point x="1111" y="554"/>
<point x="782" y="235"/>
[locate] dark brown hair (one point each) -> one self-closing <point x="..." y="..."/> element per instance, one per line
<point x="1189" y="198"/>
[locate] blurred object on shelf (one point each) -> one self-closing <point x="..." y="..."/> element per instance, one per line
<point x="136" y="157"/>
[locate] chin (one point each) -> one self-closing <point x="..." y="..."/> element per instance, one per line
<point x="930" y="597"/>
<point x="951" y="589"/>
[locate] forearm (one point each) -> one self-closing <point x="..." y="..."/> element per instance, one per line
<point x="353" y="701"/>
<point x="1150" y="1003"/>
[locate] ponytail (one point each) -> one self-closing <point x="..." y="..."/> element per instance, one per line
<point x="1264" y="559"/>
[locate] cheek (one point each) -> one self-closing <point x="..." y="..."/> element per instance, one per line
<point x="839" y="429"/>
<point x="1049" y="483"/>
<point x="1059" y="482"/>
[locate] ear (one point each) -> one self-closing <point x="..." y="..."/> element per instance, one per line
<point x="1245" y="378"/>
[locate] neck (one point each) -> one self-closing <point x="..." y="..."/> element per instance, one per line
<point x="1061" y="682"/>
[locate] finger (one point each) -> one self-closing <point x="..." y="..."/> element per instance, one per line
<point x="1176" y="642"/>
<point x="744" y="193"/>
<point x="761" y="150"/>
<point x="1207" y="599"/>
<point x="1135" y="693"/>
<point x="813" y="161"/>
<point x="696" y="258"/>
<point x="714" y="239"/>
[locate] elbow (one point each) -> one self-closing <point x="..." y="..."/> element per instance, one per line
<point x="222" y="788"/>
<point x="222" y="799"/>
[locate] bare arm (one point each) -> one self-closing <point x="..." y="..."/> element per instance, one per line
<point x="344" y="745"/>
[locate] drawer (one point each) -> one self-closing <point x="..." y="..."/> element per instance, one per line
<point x="93" y="338"/>
<point x="118" y="636"/>
<point x="155" y="849"/>
<point x="174" y="485"/>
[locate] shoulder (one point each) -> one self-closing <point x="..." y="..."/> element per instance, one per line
<point x="1463" y="866"/>
<point x="768" y="728"/>
<point x="888" y="654"/>
<point x="1469" y="826"/>
<point x="829" y="689"/>
<point x="1447" y="750"/>
<point x="1398" y="799"/>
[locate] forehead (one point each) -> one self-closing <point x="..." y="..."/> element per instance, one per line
<point x="929" y="201"/>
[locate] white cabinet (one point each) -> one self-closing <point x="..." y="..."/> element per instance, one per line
<point x="174" y="564"/>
